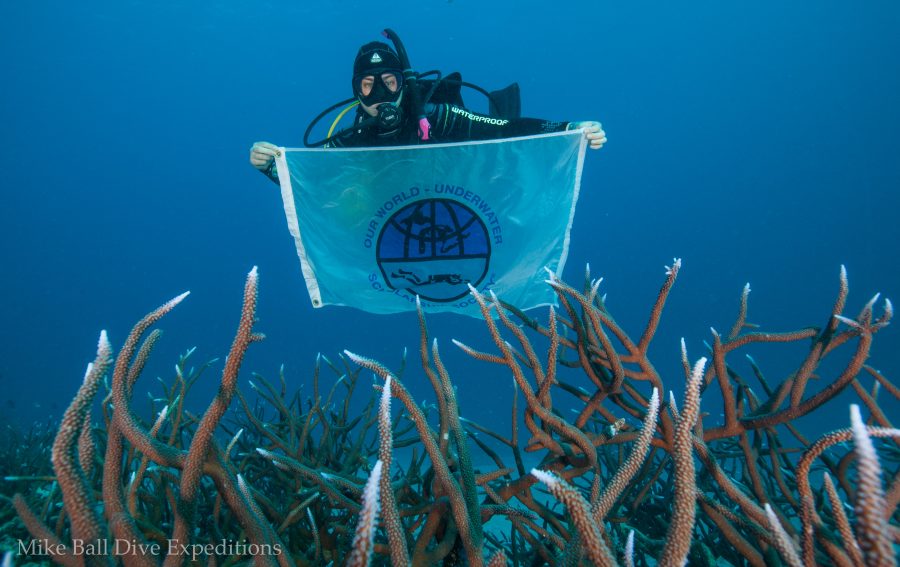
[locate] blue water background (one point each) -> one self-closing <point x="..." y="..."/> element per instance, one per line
<point x="755" y="140"/>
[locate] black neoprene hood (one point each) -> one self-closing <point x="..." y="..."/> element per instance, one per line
<point x="375" y="57"/>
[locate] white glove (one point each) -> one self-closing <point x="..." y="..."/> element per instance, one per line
<point x="593" y="130"/>
<point x="262" y="154"/>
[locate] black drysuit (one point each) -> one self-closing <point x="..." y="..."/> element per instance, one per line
<point x="449" y="123"/>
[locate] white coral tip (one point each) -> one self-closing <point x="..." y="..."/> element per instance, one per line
<point x="847" y="321"/>
<point x="699" y="366"/>
<point x="676" y="264"/>
<point x="386" y="393"/>
<point x="267" y="454"/>
<point x="546" y="477"/>
<point x="873" y="300"/>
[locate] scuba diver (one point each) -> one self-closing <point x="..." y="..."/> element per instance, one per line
<point x="397" y="107"/>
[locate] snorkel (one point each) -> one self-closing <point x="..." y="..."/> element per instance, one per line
<point x="409" y="81"/>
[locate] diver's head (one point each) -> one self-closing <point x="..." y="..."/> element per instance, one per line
<point x="377" y="76"/>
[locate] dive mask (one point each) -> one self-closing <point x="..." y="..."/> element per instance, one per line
<point x="377" y="86"/>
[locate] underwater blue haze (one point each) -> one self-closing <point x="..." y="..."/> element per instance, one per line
<point x="758" y="141"/>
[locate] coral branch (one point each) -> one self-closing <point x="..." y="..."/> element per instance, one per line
<point x="396" y="538"/>
<point x="871" y="527"/>
<point x="678" y="536"/>
<point x="442" y="471"/>
<point x="782" y="539"/>
<point x="202" y="441"/>
<point x="577" y="506"/>
<point x="364" y="538"/>
<point x="627" y="471"/>
<point x="843" y="524"/>
<point x="77" y="493"/>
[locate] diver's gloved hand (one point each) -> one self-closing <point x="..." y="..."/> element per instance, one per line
<point x="262" y="154"/>
<point x="593" y="130"/>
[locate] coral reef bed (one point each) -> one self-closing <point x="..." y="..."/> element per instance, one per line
<point x="355" y="474"/>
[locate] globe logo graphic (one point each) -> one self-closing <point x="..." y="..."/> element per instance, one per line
<point x="434" y="248"/>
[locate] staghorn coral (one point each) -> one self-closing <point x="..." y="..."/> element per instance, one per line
<point x="24" y="466"/>
<point x="282" y="480"/>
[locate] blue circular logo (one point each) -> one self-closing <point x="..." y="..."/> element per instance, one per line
<point x="434" y="248"/>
